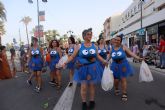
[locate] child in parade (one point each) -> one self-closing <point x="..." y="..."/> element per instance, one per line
<point x="88" y="69"/>
<point x="120" y="65"/>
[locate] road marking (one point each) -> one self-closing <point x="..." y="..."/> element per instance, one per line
<point x="66" y="100"/>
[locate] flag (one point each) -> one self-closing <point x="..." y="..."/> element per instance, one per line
<point x="38" y="34"/>
<point x="30" y="1"/>
<point x="42" y="15"/>
<point x="44" y="1"/>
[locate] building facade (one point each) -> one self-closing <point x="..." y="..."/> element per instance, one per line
<point x="147" y="27"/>
<point x="106" y="33"/>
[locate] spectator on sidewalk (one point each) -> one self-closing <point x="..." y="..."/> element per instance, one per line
<point x="5" y="72"/>
<point x="145" y="50"/>
<point x="22" y="58"/>
<point x="162" y="52"/>
<point x="12" y="62"/>
<point x="135" y="50"/>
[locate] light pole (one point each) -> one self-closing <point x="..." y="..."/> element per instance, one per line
<point x="141" y="22"/>
<point x="141" y="9"/>
<point x="38" y="29"/>
<point x="20" y="40"/>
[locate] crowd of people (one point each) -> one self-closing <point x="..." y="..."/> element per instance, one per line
<point x="152" y="54"/>
<point x="86" y="63"/>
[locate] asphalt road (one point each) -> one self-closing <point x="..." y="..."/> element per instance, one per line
<point x="15" y="94"/>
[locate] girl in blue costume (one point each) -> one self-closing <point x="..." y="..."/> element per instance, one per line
<point x="70" y="66"/>
<point x="120" y="65"/>
<point x="102" y="50"/>
<point x="55" y="55"/>
<point x="36" y="60"/>
<point x="88" y="70"/>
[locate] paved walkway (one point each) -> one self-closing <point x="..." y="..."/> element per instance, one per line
<point x="150" y="66"/>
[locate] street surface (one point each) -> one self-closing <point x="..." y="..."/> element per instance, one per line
<point x="17" y="95"/>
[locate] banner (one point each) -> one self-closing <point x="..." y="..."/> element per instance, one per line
<point x="42" y="15"/>
<point x="30" y="1"/>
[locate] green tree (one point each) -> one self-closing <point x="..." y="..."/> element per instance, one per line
<point x="55" y="34"/>
<point x="2" y="19"/>
<point x="2" y="12"/>
<point x="26" y="20"/>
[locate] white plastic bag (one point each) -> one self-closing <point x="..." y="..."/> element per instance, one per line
<point x="107" y="79"/>
<point x="145" y="73"/>
<point x="62" y="61"/>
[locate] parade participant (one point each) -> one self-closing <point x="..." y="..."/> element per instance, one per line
<point x="36" y="63"/>
<point x="120" y="66"/>
<point x="55" y="55"/>
<point x="70" y="66"/>
<point x="5" y="72"/>
<point x="102" y="50"/>
<point x="88" y="69"/>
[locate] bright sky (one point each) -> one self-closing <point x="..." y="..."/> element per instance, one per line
<point x="62" y="15"/>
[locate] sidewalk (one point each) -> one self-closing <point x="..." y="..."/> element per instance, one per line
<point x="152" y="67"/>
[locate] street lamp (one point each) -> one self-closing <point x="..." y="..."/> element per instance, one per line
<point x="141" y="9"/>
<point x="141" y="32"/>
<point x="38" y="29"/>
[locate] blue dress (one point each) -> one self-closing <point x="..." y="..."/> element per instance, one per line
<point x="120" y="65"/>
<point x="103" y="53"/>
<point x="54" y="59"/>
<point x="88" y="72"/>
<point x="71" y="64"/>
<point x="36" y="62"/>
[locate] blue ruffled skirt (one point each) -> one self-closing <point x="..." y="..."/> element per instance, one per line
<point x="124" y="69"/>
<point x="71" y="65"/>
<point x="36" y="64"/>
<point x="89" y="73"/>
<point x="53" y="63"/>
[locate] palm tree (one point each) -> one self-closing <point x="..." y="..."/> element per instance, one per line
<point x="2" y="12"/>
<point x="65" y="36"/>
<point x="55" y="33"/>
<point x="26" y="21"/>
<point x="2" y="19"/>
<point x="2" y="29"/>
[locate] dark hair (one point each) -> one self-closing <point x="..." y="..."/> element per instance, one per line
<point x="2" y="47"/>
<point x="35" y="39"/>
<point x="50" y="44"/>
<point x="121" y="37"/>
<point x="98" y="42"/>
<point x="72" y="39"/>
<point x="86" y="31"/>
<point x="145" y="43"/>
<point x="163" y="37"/>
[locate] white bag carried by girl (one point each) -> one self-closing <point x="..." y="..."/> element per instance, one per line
<point x="107" y="79"/>
<point x="145" y="73"/>
<point x="62" y="61"/>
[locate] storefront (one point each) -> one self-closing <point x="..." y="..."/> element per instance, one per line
<point x="141" y="37"/>
<point x="161" y="29"/>
<point x="152" y="34"/>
